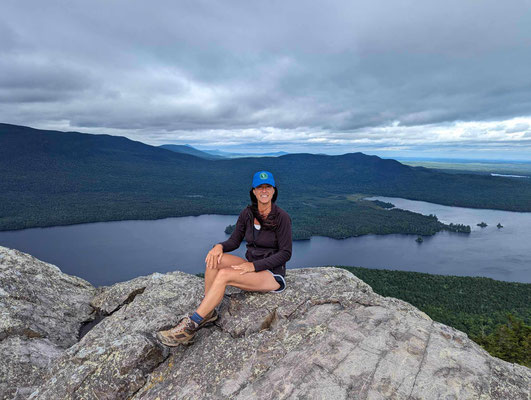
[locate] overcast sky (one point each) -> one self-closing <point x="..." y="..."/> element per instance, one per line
<point x="403" y="78"/>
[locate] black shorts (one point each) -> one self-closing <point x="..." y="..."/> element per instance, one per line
<point x="280" y="279"/>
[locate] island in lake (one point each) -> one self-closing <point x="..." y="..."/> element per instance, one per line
<point x="71" y="178"/>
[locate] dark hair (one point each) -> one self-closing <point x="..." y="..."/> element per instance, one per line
<point x="271" y="222"/>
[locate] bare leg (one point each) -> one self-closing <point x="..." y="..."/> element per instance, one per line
<point x="261" y="281"/>
<point x="226" y="261"/>
<point x="213" y="296"/>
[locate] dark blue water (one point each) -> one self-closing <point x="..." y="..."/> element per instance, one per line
<point x="108" y="252"/>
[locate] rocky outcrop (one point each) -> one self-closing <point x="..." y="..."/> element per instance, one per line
<point x="328" y="335"/>
<point x="41" y="311"/>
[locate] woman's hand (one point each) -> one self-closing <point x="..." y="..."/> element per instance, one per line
<point x="214" y="256"/>
<point x="245" y="267"/>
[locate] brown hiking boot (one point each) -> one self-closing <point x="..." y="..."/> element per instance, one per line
<point x="183" y="333"/>
<point x="210" y="317"/>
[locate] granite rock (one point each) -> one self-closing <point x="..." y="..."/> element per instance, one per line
<point x="327" y="336"/>
<point x="41" y="312"/>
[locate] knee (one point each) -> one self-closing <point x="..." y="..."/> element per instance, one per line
<point x="224" y="275"/>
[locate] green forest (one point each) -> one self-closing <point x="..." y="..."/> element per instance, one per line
<point x="495" y="314"/>
<point x="50" y="178"/>
<point x="340" y="217"/>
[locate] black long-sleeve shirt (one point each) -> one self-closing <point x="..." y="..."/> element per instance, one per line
<point x="265" y="249"/>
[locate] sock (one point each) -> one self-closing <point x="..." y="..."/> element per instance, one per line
<point x="196" y="318"/>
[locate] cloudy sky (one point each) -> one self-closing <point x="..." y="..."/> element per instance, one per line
<point x="394" y="78"/>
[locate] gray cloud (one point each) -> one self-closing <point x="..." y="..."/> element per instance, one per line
<point x="521" y="127"/>
<point x="327" y="71"/>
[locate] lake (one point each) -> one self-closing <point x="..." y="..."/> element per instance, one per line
<point x="107" y="252"/>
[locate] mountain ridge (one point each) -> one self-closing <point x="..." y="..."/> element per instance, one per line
<point x="187" y="149"/>
<point x="67" y="178"/>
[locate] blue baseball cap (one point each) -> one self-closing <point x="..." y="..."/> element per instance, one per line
<point x="263" y="177"/>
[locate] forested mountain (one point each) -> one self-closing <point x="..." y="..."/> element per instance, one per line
<point x="228" y="154"/>
<point x="54" y="178"/>
<point x="186" y="149"/>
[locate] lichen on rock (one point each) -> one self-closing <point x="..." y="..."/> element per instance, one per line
<point x="41" y="310"/>
<point x="327" y="336"/>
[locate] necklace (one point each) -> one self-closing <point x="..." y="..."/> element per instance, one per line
<point x="265" y="213"/>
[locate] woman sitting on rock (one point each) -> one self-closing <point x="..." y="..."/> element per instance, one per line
<point x="267" y="230"/>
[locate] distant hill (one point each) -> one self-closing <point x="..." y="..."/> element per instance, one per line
<point x="35" y="146"/>
<point x="187" y="149"/>
<point x="56" y="178"/>
<point x="519" y="168"/>
<point x="226" y="154"/>
<point x="216" y="154"/>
